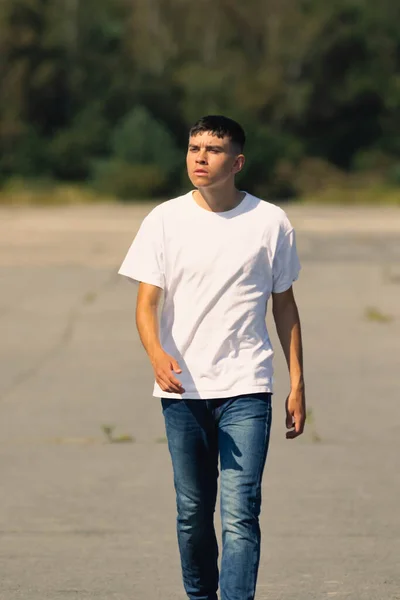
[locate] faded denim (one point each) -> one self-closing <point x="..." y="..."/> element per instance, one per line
<point x="235" y="430"/>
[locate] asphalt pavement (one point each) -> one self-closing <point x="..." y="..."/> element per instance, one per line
<point x="87" y="507"/>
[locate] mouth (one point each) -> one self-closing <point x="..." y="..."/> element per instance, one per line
<point x="200" y="172"/>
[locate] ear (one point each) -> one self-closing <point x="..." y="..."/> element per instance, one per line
<point x="239" y="163"/>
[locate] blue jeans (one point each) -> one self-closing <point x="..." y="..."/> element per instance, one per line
<point x="198" y="431"/>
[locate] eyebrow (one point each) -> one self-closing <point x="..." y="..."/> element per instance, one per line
<point x="212" y="147"/>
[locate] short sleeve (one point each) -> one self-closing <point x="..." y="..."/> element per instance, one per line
<point x="286" y="264"/>
<point x="145" y="258"/>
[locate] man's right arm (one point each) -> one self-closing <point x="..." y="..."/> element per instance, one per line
<point x="163" y="364"/>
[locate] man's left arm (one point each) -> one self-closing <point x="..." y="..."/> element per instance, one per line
<point x="287" y="323"/>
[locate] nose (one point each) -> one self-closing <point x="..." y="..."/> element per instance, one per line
<point x="201" y="157"/>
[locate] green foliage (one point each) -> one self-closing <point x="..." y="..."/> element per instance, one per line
<point x="129" y="182"/>
<point x="394" y="175"/>
<point x="372" y="160"/>
<point x="27" y="156"/>
<point x="144" y="158"/>
<point x="72" y="149"/>
<point x="141" y="140"/>
<point x="265" y="149"/>
<point x="105" y="90"/>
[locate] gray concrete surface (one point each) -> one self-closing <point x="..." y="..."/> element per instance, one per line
<point x="83" y="518"/>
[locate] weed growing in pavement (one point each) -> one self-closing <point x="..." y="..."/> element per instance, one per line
<point x="310" y="422"/>
<point x="119" y="439"/>
<point x="375" y="315"/>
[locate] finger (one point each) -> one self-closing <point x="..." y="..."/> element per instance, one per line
<point x="174" y="384"/>
<point x="289" y="420"/>
<point x="297" y="430"/>
<point x="168" y="382"/>
<point x="163" y="383"/>
<point x="173" y="380"/>
<point x="291" y="435"/>
<point x="167" y="387"/>
<point x="176" y="389"/>
<point x="299" y="423"/>
<point x="175" y="367"/>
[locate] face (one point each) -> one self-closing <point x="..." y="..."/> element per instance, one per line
<point x="212" y="160"/>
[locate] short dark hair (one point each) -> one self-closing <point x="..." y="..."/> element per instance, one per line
<point x="220" y="126"/>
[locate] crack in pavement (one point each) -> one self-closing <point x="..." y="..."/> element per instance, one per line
<point x="6" y="310"/>
<point x="61" y="343"/>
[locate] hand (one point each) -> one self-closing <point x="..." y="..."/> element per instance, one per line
<point x="295" y="413"/>
<point x="164" y="366"/>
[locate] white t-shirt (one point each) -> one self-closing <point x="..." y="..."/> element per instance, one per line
<point x="217" y="271"/>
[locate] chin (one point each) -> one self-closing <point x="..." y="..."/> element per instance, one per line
<point x="201" y="182"/>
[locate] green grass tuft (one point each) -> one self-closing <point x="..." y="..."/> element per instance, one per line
<point x="375" y="315"/>
<point x="119" y="439"/>
<point x="311" y="426"/>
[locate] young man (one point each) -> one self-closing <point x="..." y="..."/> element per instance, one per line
<point x="218" y="254"/>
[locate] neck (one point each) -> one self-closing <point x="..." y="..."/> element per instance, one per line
<point x="218" y="199"/>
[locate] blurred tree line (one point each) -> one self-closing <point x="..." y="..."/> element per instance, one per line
<point x="104" y="90"/>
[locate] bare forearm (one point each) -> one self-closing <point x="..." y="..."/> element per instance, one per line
<point x="288" y="327"/>
<point x="148" y="328"/>
<point x="163" y="364"/>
